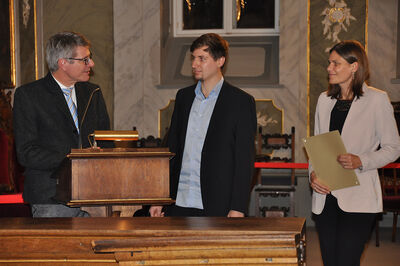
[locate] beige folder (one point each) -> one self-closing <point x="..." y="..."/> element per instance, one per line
<point x="323" y="151"/>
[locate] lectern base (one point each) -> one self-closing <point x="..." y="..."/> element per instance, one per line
<point x="112" y="210"/>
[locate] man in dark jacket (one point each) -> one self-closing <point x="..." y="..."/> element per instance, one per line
<point x="53" y="115"/>
<point x="212" y="134"/>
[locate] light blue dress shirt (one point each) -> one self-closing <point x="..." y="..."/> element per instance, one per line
<point x="189" y="188"/>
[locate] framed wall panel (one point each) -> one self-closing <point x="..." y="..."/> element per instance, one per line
<point x="28" y="58"/>
<point x="252" y="62"/>
<point x="7" y="44"/>
<point x="330" y="22"/>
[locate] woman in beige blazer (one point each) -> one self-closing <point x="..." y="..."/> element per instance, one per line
<point x="364" y="117"/>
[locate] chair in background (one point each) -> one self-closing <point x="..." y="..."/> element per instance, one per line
<point x="8" y="182"/>
<point x="390" y="183"/>
<point x="164" y="119"/>
<point x="149" y="142"/>
<point x="276" y="186"/>
<point x="269" y="122"/>
<point x="5" y="181"/>
<point x="11" y="173"/>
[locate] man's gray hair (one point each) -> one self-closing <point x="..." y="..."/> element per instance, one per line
<point x="62" y="45"/>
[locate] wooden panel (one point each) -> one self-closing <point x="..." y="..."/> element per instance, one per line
<point x="120" y="178"/>
<point x="196" y="250"/>
<point x="152" y="241"/>
<point x="146" y="226"/>
<point x="114" y="176"/>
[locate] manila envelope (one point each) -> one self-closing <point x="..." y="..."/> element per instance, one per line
<point x="323" y="151"/>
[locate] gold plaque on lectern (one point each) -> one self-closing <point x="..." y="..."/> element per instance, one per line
<point x="119" y="135"/>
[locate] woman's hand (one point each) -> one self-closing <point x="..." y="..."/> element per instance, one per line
<point x="349" y="161"/>
<point x="317" y="186"/>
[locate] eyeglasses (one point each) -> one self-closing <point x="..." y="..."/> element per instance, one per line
<point x="85" y="60"/>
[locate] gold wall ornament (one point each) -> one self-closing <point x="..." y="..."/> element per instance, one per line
<point x="269" y="117"/>
<point x="189" y="5"/>
<point x="336" y="17"/>
<point x="240" y="4"/>
<point x="36" y="39"/>
<point x="12" y="45"/>
<point x="264" y="120"/>
<point x="26" y="10"/>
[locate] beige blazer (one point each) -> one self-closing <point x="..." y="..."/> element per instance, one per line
<point x="369" y="123"/>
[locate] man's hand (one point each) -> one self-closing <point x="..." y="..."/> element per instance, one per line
<point x="349" y="161"/>
<point x="317" y="186"/>
<point x="233" y="213"/>
<point x="156" y="211"/>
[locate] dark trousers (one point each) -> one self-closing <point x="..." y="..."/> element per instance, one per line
<point x="342" y="235"/>
<point x="177" y="211"/>
<point x="56" y="210"/>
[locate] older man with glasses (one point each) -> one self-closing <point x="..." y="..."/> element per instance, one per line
<point x="53" y="115"/>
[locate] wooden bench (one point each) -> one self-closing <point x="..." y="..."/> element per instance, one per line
<point x="148" y="241"/>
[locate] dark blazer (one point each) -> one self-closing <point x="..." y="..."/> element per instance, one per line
<point x="227" y="159"/>
<point x="45" y="132"/>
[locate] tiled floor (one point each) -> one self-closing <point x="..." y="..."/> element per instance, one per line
<point x="388" y="254"/>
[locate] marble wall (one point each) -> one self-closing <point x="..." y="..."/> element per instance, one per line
<point x="382" y="45"/>
<point x="137" y="99"/>
<point x="126" y="38"/>
<point x="137" y="67"/>
<point x="137" y="33"/>
<point x="94" y="19"/>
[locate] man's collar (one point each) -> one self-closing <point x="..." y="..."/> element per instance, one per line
<point x="62" y="86"/>
<point x="214" y="92"/>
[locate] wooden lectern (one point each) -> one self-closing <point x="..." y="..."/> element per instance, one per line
<point x="120" y="176"/>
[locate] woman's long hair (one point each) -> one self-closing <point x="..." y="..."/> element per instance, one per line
<point x="351" y="51"/>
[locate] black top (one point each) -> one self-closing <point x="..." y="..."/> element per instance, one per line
<point x="339" y="114"/>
